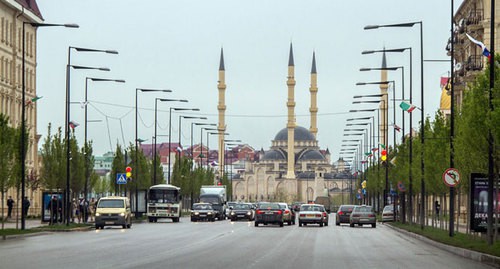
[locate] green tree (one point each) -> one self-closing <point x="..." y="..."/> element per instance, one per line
<point x="160" y="179"/>
<point x="53" y="155"/>
<point x="6" y="156"/>
<point x="117" y="167"/>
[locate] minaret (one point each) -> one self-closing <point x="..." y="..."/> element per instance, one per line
<point x="384" y="103"/>
<point x="314" y="97"/>
<point x="291" y="116"/>
<point x="221" y="128"/>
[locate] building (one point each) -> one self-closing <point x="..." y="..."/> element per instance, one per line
<point x="12" y="15"/>
<point x="294" y="168"/>
<point x="472" y="18"/>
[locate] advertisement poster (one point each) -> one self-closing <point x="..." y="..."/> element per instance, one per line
<point x="46" y="196"/>
<point x="479" y="202"/>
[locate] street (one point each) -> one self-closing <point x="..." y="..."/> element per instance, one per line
<point x="225" y="244"/>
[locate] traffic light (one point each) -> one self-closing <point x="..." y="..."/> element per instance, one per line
<point x="128" y="172"/>
<point x="383" y="156"/>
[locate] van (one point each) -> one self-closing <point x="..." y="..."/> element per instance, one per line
<point x="325" y="201"/>
<point x="113" y="211"/>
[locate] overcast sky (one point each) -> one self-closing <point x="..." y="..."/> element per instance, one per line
<point x="176" y="45"/>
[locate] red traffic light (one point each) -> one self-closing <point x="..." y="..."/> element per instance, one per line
<point x="219" y="183"/>
<point x="384" y="155"/>
<point x="128" y="169"/>
<point x="383" y="152"/>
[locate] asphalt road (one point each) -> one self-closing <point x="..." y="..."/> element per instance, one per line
<point x="225" y="244"/>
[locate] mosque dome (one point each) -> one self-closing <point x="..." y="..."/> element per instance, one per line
<point x="274" y="155"/>
<point x="300" y="134"/>
<point x="311" y="155"/>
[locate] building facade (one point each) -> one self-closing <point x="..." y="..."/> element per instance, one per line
<point x="12" y="15"/>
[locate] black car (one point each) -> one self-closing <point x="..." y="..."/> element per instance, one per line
<point x="343" y="214"/>
<point x="269" y="213"/>
<point x="241" y="211"/>
<point x="203" y="211"/>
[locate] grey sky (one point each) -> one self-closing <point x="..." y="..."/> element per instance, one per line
<point x="176" y="45"/>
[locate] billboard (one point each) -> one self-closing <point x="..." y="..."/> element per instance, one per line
<point x="479" y="202"/>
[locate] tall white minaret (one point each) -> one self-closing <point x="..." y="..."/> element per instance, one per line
<point x="221" y="128"/>
<point x="291" y="116"/>
<point x="384" y="104"/>
<point x="314" y="97"/>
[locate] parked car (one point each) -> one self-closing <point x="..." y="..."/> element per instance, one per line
<point x="242" y="211"/>
<point x="269" y="213"/>
<point x="203" y="211"/>
<point x="343" y="214"/>
<point x="313" y="214"/>
<point x="288" y="214"/>
<point x="388" y="213"/>
<point x="363" y="215"/>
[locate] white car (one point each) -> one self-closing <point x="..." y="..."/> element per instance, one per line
<point x="229" y="206"/>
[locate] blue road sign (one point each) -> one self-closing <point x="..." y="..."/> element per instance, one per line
<point x="121" y="179"/>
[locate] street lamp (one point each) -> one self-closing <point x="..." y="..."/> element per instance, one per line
<point x="68" y="112"/>
<point x="23" y="111"/>
<point x="85" y="191"/>
<point x="213" y="133"/>
<point x="180" y="126"/>
<point x="422" y="121"/>
<point x="201" y="142"/>
<point x="154" y="149"/>
<point x="137" y="141"/>
<point x="197" y="124"/>
<point x="170" y="132"/>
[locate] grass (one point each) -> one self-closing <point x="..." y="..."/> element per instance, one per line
<point x="461" y="240"/>
<point x="59" y="227"/>
<point x="6" y="232"/>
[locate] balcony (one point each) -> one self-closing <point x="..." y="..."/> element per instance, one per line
<point x="474" y="20"/>
<point x="474" y="63"/>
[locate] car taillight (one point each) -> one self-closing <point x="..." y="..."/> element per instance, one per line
<point x="324" y="214"/>
<point x="287" y="211"/>
<point x="318" y="215"/>
<point x="371" y="215"/>
<point x="259" y="212"/>
<point x="279" y="212"/>
<point x="302" y="215"/>
<point x="341" y="213"/>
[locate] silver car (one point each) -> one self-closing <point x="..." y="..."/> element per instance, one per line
<point x="363" y="215"/>
<point x="313" y="214"/>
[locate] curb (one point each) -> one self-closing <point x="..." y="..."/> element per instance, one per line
<point x="465" y="253"/>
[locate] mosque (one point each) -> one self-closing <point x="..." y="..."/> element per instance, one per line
<point x="294" y="168"/>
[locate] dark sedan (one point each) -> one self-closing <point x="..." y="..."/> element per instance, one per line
<point x="269" y="213"/>
<point x="343" y="214"/>
<point x="203" y="211"/>
<point x="241" y="211"/>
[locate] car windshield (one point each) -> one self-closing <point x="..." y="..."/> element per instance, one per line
<point x="389" y="208"/>
<point x="231" y="204"/>
<point x="110" y="204"/>
<point x="363" y="209"/>
<point x="346" y="208"/>
<point x="211" y="200"/>
<point x="269" y="206"/>
<point x="310" y="208"/>
<point x="283" y="206"/>
<point x="241" y="206"/>
<point x="202" y="207"/>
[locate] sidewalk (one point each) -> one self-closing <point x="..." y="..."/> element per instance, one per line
<point x="29" y="223"/>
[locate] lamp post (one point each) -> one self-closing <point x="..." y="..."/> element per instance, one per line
<point x="68" y="112"/>
<point x="422" y="138"/>
<point x="170" y="133"/>
<point x="23" y="111"/>
<point x="197" y="124"/>
<point x="231" y="161"/>
<point x="87" y="172"/>
<point x="180" y="126"/>
<point x="212" y="133"/>
<point x="137" y="90"/>
<point x="154" y="148"/>
<point x="201" y="142"/>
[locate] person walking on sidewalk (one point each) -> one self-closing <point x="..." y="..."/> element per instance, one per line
<point x="26" y="205"/>
<point x="10" y="205"/>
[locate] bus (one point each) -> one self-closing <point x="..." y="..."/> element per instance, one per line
<point x="164" y="202"/>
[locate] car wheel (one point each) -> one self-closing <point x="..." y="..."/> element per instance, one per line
<point x="124" y="226"/>
<point x="300" y="224"/>
<point x="321" y="224"/>
<point x="304" y="224"/>
<point x="256" y="224"/>
<point x="351" y="224"/>
<point x="374" y="225"/>
<point x="150" y="219"/>
<point x="281" y="224"/>
<point x="337" y="223"/>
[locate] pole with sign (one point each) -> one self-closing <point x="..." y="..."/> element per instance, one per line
<point x="451" y="178"/>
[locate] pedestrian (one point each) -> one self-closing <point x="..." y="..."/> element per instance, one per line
<point x="10" y="205"/>
<point x="92" y="207"/>
<point x="26" y="205"/>
<point x="54" y="209"/>
<point x="84" y="209"/>
<point x="437" y="207"/>
<point x="74" y="210"/>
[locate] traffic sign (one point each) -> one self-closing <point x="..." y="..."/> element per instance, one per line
<point x="401" y="186"/>
<point x="121" y="179"/>
<point x="451" y="177"/>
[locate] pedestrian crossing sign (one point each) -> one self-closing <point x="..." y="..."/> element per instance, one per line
<point x="121" y="179"/>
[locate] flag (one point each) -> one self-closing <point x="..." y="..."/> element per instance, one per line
<point x="374" y="149"/>
<point x="368" y="154"/>
<point x="355" y="174"/>
<point x="485" y="52"/>
<point x="214" y="163"/>
<point x="397" y="128"/>
<point x="36" y="98"/>
<point x="407" y="106"/>
<point x="179" y="149"/>
<point x="73" y="124"/>
<point x="382" y="146"/>
<point x="140" y="140"/>
<point x="364" y="162"/>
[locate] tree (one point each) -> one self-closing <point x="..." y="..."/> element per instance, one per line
<point x="53" y="168"/>
<point x="118" y="166"/>
<point x="6" y="156"/>
<point x="160" y="179"/>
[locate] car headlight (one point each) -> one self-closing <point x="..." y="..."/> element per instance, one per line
<point x="209" y="213"/>
<point x="97" y="214"/>
<point x="248" y="213"/>
<point x="122" y="214"/>
<point x="232" y="213"/>
<point x="196" y="213"/>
